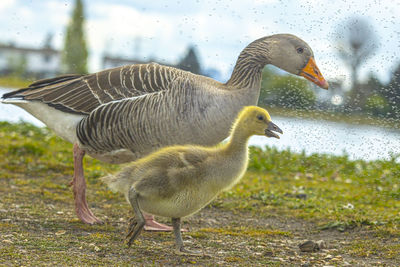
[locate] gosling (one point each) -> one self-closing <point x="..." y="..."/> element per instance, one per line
<point x="178" y="181"/>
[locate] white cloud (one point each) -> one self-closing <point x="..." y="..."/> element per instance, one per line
<point x="219" y="30"/>
<point x="5" y="4"/>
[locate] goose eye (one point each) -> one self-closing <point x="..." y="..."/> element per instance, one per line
<point x="300" y="50"/>
<point x="260" y="117"/>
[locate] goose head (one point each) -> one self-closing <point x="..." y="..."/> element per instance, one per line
<point x="257" y="121"/>
<point x="293" y="55"/>
<point x="284" y="51"/>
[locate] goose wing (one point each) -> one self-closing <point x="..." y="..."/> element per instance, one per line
<point x="81" y="94"/>
<point x="143" y="123"/>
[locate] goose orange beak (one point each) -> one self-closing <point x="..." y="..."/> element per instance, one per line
<point x="312" y="73"/>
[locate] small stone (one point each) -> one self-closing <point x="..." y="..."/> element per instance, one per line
<point x="268" y="253"/>
<point x="61" y="232"/>
<point x="321" y="244"/>
<point x="309" y="246"/>
<point x="301" y="196"/>
<point x="211" y="221"/>
<point x="309" y="175"/>
<point x="349" y="206"/>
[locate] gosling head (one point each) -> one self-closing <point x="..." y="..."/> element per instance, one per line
<point x="293" y="55"/>
<point x="257" y="121"/>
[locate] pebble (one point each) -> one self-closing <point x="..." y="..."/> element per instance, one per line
<point x="308" y="246"/>
<point x="311" y="246"/>
<point x="61" y="232"/>
<point x="321" y="244"/>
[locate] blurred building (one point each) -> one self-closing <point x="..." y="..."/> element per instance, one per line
<point x="34" y="62"/>
<point x="189" y="61"/>
<point x="118" y="61"/>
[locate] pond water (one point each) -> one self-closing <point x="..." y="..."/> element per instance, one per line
<point x="312" y="136"/>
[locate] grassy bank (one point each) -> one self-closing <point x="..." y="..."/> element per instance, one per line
<point x="14" y="82"/>
<point x="284" y="199"/>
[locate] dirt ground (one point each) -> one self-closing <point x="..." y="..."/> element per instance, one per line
<point x="37" y="229"/>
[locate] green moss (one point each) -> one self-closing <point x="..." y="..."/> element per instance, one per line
<point x="366" y="248"/>
<point x="245" y="232"/>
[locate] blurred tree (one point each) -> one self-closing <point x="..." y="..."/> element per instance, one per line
<point x="392" y="93"/>
<point x="285" y="91"/>
<point x="190" y="61"/>
<point x="372" y="96"/>
<point x="17" y="65"/>
<point x="356" y="43"/>
<point x="377" y="105"/>
<point x="75" y="54"/>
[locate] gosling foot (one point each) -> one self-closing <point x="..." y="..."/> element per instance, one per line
<point x="187" y="252"/>
<point x="134" y="230"/>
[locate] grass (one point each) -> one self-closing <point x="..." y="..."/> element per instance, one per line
<point x="284" y="198"/>
<point x="321" y="188"/>
<point x="14" y="82"/>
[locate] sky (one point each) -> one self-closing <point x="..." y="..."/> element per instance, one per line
<point x="219" y="30"/>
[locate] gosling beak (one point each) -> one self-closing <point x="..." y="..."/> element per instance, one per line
<point x="312" y="73"/>
<point x="272" y="127"/>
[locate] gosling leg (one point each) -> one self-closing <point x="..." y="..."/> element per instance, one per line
<point x="136" y="223"/>
<point x="181" y="250"/>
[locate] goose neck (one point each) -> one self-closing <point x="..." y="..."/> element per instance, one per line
<point x="238" y="140"/>
<point x="248" y="69"/>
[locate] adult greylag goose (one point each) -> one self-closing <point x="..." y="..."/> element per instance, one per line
<point x="178" y="181"/>
<point x="122" y="114"/>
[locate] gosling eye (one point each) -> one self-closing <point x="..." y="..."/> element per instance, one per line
<point x="300" y="50"/>
<point x="260" y="117"/>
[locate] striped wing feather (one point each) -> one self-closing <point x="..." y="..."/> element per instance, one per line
<point x="80" y="94"/>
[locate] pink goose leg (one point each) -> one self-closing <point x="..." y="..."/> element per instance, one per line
<point x="81" y="207"/>
<point x="79" y="189"/>
<point x="152" y="225"/>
